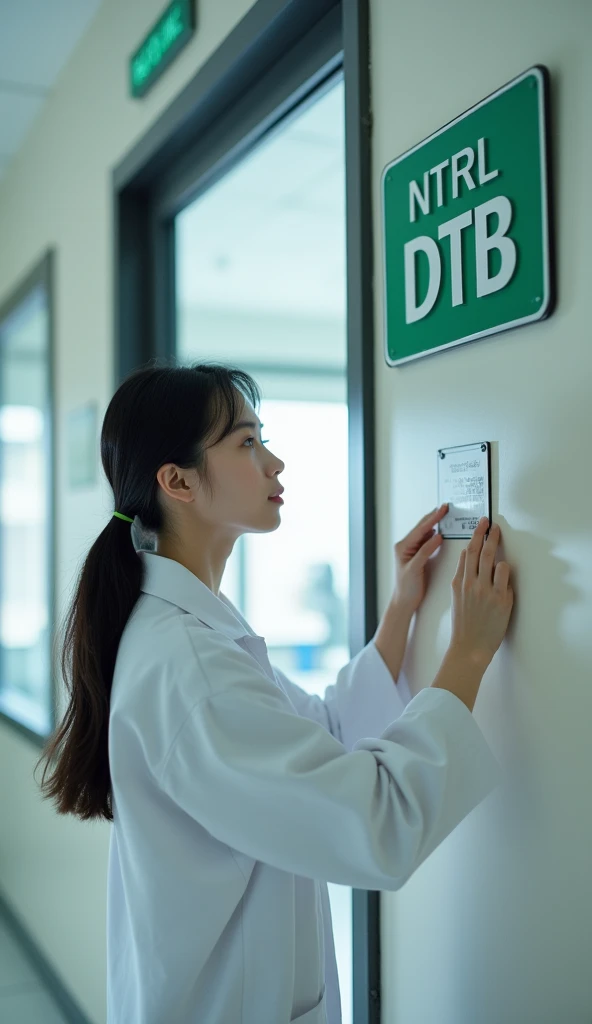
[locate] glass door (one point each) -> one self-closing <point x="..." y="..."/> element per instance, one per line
<point x="260" y="284"/>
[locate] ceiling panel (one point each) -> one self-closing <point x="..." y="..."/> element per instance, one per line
<point x="17" y="114"/>
<point x="38" y="36"/>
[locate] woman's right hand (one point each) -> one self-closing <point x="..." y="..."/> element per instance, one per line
<point x="482" y="597"/>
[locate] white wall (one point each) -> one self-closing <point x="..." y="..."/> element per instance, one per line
<point x="58" y="193"/>
<point x="496" y="925"/>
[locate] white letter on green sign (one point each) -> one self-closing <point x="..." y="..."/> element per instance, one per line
<point x="422" y="198"/>
<point x="506" y="247"/>
<point x="421" y="244"/>
<point x="484" y="242"/>
<point x="453" y="228"/>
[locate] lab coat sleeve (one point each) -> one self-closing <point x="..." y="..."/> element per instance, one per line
<point x="281" y="789"/>
<point x="362" y="702"/>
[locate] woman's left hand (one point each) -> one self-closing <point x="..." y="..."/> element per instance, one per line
<point x="411" y="556"/>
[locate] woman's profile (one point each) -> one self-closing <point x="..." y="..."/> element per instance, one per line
<point x="234" y="796"/>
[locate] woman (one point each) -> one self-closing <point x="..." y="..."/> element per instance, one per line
<point x="234" y="795"/>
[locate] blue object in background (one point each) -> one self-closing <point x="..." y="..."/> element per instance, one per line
<point x="306" y="657"/>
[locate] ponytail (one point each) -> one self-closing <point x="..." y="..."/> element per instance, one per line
<point x="159" y="414"/>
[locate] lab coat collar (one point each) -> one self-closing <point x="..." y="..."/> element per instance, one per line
<point x="166" y="578"/>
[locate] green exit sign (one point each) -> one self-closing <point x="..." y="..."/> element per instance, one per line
<point x="162" y="44"/>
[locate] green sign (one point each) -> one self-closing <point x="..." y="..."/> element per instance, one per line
<point x="466" y="225"/>
<point x="161" y="45"/>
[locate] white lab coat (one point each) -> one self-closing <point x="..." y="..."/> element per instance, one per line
<point x="237" y="796"/>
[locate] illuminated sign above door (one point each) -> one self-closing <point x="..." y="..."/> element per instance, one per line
<point x="162" y="44"/>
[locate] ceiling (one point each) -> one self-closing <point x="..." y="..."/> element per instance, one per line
<point x="269" y="237"/>
<point x="36" y="40"/>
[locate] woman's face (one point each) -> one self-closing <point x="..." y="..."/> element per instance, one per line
<point x="244" y="473"/>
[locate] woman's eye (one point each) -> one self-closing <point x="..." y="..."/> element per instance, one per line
<point x="254" y="439"/>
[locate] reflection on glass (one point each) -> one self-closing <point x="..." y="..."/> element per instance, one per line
<point x="261" y="285"/>
<point x="305" y="625"/>
<point x="25" y="678"/>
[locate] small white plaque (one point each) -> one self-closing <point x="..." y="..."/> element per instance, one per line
<point x="464" y="483"/>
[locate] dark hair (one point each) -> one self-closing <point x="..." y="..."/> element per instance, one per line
<point x="159" y="414"/>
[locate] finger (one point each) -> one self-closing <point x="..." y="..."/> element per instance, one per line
<point x="431" y="545"/>
<point x="474" y="549"/>
<point x="501" y="577"/>
<point x="427" y="523"/>
<point x="439" y="513"/>
<point x="460" y="569"/>
<point x="488" y="553"/>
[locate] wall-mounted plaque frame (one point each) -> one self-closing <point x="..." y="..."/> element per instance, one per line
<point x="82" y="445"/>
<point x="464" y="483"/>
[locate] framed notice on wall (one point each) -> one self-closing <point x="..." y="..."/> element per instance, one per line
<point x="82" y="451"/>
<point x="467" y="225"/>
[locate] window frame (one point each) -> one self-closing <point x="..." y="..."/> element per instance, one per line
<point x="42" y="275"/>
<point x="278" y="54"/>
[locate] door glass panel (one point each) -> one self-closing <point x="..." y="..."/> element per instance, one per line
<point x="260" y="284"/>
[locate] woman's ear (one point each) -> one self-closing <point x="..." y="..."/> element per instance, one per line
<point x="177" y="484"/>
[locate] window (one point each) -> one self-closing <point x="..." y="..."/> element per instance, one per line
<point x="26" y="506"/>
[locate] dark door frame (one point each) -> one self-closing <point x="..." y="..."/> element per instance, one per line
<point x="284" y="49"/>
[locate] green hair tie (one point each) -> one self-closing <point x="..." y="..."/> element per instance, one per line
<point x="121" y="516"/>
